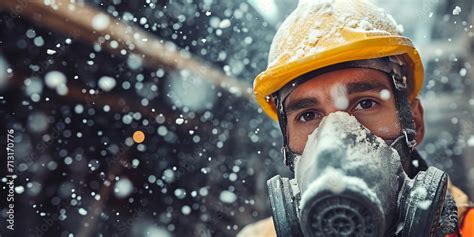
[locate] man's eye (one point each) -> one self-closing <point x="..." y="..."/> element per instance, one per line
<point x="307" y="116"/>
<point x="365" y="104"/>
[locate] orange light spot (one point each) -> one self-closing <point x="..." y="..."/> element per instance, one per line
<point x="138" y="136"/>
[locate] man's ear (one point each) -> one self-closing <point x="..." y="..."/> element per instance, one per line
<point x="417" y="111"/>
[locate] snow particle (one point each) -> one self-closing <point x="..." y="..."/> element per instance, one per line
<point x="38" y="41"/>
<point x="224" y="24"/>
<point x="33" y="85"/>
<point x="168" y="176"/>
<point x="151" y="179"/>
<point x="82" y="211"/>
<point x="134" y="61"/>
<point x="79" y="109"/>
<point x="30" y="33"/>
<point x="454" y="120"/>
<point x="470" y="141"/>
<point x="38" y="122"/>
<point x="456" y="10"/>
<point x="114" y="44"/>
<point x="50" y="51"/>
<point x="385" y="94"/>
<point x="68" y="160"/>
<point x="179" y="121"/>
<point x="233" y="177"/>
<point x="100" y="22"/>
<point x="127" y="119"/>
<point x="135" y="163"/>
<point x="156" y="231"/>
<point x="162" y="131"/>
<point x="19" y="189"/>
<point x="186" y="210"/>
<point x="54" y="78"/>
<point x="463" y="72"/>
<point x="62" y="89"/>
<point x="107" y="83"/>
<point x="189" y="90"/>
<point x="339" y="95"/>
<point x="123" y="188"/>
<point x="227" y="196"/>
<point x="143" y="21"/>
<point x="180" y="193"/>
<point x="203" y="191"/>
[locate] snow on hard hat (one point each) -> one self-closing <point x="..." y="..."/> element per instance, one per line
<point x="320" y="33"/>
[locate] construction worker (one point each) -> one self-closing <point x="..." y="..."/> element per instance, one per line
<point x="343" y="83"/>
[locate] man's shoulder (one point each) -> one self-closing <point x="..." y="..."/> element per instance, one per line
<point x="262" y="228"/>
<point x="467" y="228"/>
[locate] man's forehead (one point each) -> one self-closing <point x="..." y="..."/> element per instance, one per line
<point x="358" y="70"/>
<point x="352" y="80"/>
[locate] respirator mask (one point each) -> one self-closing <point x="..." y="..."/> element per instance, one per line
<point x="349" y="182"/>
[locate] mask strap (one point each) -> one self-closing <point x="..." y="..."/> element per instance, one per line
<point x="406" y="142"/>
<point x="288" y="155"/>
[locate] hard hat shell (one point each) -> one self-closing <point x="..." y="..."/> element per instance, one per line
<point x="320" y="33"/>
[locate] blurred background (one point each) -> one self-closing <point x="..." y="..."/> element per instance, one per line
<point x="136" y="118"/>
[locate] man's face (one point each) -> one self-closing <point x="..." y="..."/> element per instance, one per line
<point x="364" y="93"/>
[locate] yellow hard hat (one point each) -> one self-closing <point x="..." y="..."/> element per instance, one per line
<point x="320" y="33"/>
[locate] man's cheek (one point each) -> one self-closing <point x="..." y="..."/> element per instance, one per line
<point x="383" y="125"/>
<point x="387" y="131"/>
<point x="297" y="143"/>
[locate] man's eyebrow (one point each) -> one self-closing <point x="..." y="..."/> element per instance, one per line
<point x="300" y="104"/>
<point x="356" y="87"/>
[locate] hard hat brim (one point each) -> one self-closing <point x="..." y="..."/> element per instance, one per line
<point x="274" y="78"/>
